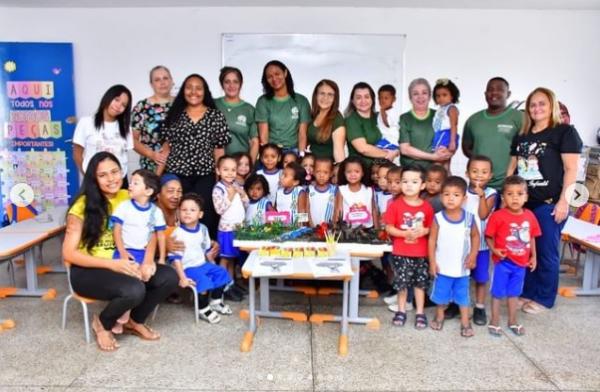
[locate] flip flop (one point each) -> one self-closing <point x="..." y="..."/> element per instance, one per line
<point x="467" y="331"/>
<point x="533" y="308"/>
<point x="494" y="330"/>
<point x="127" y="328"/>
<point x="517" y="329"/>
<point x="436" y="325"/>
<point x="99" y="329"/>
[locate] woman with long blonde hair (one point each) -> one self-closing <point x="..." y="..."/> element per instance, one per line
<point x="546" y="154"/>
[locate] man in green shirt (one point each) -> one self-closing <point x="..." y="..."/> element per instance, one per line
<point x="490" y="131"/>
<point x="284" y="116"/>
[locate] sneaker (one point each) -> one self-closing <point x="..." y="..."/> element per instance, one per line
<point x="241" y="288"/>
<point x="392" y="299"/>
<point x="208" y="315"/>
<point x="451" y="311"/>
<point x="232" y="295"/>
<point x="220" y="307"/>
<point x="479" y="316"/>
<point x="394" y="307"/>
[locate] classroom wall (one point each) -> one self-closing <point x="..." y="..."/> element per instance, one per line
<point x="557" y="49"/>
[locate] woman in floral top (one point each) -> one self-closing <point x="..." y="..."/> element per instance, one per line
<point x="147" y="116"/>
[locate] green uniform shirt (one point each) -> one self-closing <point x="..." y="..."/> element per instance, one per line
<point x="357" y="127"/>
<point x="323" y="149"/>
<point x="492" y="136"/>
<point x="283" y="115"/>
<point x="240" y="120"/>
<point x="418" y="133"/>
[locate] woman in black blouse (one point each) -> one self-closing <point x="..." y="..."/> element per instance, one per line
<point x="197" y="134"/>
<point x="546" y="154"/>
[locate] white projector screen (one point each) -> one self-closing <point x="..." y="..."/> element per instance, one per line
<point x="343" y="58"/>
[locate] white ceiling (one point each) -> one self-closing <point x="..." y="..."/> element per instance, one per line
<point x="466" y="4"/>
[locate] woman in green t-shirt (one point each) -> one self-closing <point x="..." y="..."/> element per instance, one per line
<point x="326" y="132"/>
<point x="416" y="128"/>
<point x="89" y="247"/>
<point x="362" y="132"/>
<point x="238" y="113"/>
<point x="282" y="114"/>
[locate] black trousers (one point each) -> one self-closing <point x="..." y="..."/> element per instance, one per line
<point x="124" y="292"/>
<point x="203" y="186"/>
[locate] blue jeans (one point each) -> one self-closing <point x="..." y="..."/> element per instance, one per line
<point x="541" y="285"/>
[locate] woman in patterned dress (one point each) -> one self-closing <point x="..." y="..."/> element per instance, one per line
<point x="147" y="116"/>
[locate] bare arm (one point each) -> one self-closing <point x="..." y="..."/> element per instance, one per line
<point x="339" y="140"/>
<point x="337" y="207"/>
<point x="467" y="147"/>
<point x="431" y="246"/>
<point x="263" y="132"/>
<point x="512" y="166"/>
<point x="413" y="152"/>
<point x="364" y="148"/>
<point x="453" y="115"/>
<point x="533" y="255"/>
<point x="162" y="246"/>
<point x="73" y="255"/>
<point x="303" y="203"/>
<point x="140" y="147"/>
<point x="118" y="238"/>
<point x="475" y="241"/>
<point x="78" y="156"/>
<point x="486" y="206"/>
<point x="375" y="210"/>
<point x="302" y="130"/>
<point x="253" y="149"/>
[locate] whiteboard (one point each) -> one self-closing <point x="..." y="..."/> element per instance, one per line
<point x="344" y="58"/>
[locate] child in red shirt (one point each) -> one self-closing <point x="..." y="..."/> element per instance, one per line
<point x="510" y="235"/>
<point x="408" y="219"/>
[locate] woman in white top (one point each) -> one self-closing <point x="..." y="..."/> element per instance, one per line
<point x="108" y="130"/>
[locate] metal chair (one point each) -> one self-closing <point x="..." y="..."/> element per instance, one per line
<point x="82" y="300"/>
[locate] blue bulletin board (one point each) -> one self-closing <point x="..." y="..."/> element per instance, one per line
<point x="37" y="114"/>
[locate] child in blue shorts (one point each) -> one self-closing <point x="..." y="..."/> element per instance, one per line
<point x="453" y="245"/>
<point x="510" y="235"/>
<point x="230" y="201"/>
<point x="481" y="200"/>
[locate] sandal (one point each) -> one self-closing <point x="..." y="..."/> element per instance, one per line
<point x="533" y="308"/>
<point x="420" y="321"/>
<point x="437" y="325"/>
<point x="494" y="330"/>
<point x="467" y="331"/>
<point x="517" y="329"/>
<point x="399" y="319"/>
<point x="209" y="315"/>
<point x="140" y="330"/>
<point x="103" y="336"/>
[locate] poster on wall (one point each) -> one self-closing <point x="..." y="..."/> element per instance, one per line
<point x="37" y="115"/>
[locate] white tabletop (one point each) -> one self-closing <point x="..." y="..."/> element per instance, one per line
<point x="13" y="244"/>
<point x="301" y="267"/>
<point x="47" y="222"/>
<point x="353" y="248"/>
